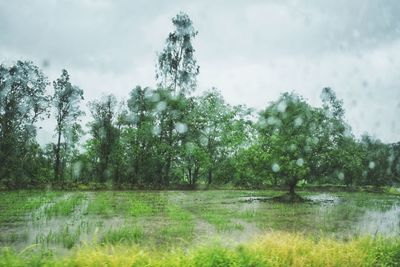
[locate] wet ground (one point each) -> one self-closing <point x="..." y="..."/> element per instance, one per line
<point x="61" y="221"/>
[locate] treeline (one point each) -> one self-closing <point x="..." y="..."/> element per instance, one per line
<point x="165" y="136"/>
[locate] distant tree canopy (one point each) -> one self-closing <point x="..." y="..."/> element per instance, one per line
<point x="166" y="137"/>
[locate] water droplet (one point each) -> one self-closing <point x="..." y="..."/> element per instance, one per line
<point x="156" y="130"/>
<point x="271" y="120"/>
<point x="371" y="165"/>
<point x="181" y="127"/>
<point x="282" y="106"/>
<point x="155" y="97"/>
<point x="275" y="167"/>
<point x="190" y="146"/>
<point x="161" y="106"/>
<point x="204" y="141"/>
<point x="262" y="123"/>
<point x="292" y="147"/>
<point x="300" y="162"/>
<point x="298" y="121"/>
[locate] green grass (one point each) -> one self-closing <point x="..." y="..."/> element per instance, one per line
<point x="273" y="249"/>
<point x="15" y="205"/>
<point x="64" y="207"/>
<point x="166" y="220"/>
<point x="139" y="207"/>
<point x="124" y="235"/>
<point x="66" y="237"/>
<point x="102" y="204"/>
<point x="180" y="227"/>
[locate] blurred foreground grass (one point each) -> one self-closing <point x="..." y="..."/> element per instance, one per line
<point x="272" y="249"/>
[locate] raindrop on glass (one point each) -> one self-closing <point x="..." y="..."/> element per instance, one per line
<point x="275" y="167"/>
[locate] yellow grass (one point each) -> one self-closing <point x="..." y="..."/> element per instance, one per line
<point x="273" y="249"/>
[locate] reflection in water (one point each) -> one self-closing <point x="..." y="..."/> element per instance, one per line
<point x="385" y="223"/>
<point x="228" y="216"/>
<point x="324" y="198"/>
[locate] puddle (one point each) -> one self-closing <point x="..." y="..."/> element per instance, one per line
<point x="385" y="223"/>
<point x="254" y="199"/>
<point x="248" y="216"/>
<point x="324" y="198"/>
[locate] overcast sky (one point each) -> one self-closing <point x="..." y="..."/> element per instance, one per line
<point x="251" y="50"/>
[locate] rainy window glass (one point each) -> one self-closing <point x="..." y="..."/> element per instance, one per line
<point x="200" y="133"/>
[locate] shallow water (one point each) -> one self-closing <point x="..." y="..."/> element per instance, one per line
<point x="182" y="218"/>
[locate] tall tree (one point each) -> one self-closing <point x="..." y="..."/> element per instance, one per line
<point x="177" y="68"/>
<point x="138" y="135"/>
<point x="176" y="75"/>
<point x="66" y="100"/>
<point x="333" y="135"/>
<point x="105" y="134"/>
<point x="23" y="101"/>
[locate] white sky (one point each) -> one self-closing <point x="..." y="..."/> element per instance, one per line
<point x="251" y="50"/>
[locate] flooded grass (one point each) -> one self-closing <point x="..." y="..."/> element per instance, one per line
<point x="124" y="235"/>
<point x="63" y="222"/>
<point x="64" y="207"/>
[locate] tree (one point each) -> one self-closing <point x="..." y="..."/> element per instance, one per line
<point x="252" y="168"/>
<point x="23" y="101"/>
<point x="66" y="100"/>
<point x="138" y="137"/>
<point x="287" y="134"/>
<point x="334" y="139"/>
<point x="377" y="162"/>
<point x="394" y="162"/>
<point x="224" y="129"/>
<point x="105" y="136"/>
<point x="176" y="75"/>
<point x="177" y="68"/>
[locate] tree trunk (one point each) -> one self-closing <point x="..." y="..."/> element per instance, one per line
<point x="292" y="185"/>
<point x="209" y="176"/>
<point x="190" y="175"/>
<point x="57" y="165"/>
<point x="196" y="174"/>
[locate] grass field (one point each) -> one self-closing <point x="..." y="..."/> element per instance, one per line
<point x="198" y="228"/>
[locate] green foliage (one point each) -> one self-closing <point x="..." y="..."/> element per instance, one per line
<point x="287" y="132"/>
<point x="165" y="137"/>
<point x="23" y="101"/>
<point x="105" y="131"/>
<point x="177" y="68"/>
<point x="66" y="100"/>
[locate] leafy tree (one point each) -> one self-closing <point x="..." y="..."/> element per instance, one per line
<point x="376" y="162"/>
<point x="192" y="157"/>
<point x="177" y="68"/>
<point x="23" y="101"/>
<point x="346" y="163"/>
<point x="176" y="74"/>
<point x="394" y="161"/>
<point x="138" y="137"/>
<point x="218" y="131"/>
<point x="252" y="167"/>
<point x="105" y="136"/>
<point x="66" y="102"/>
<point x="287" y="134"/>
<point x="333" y="135"/>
